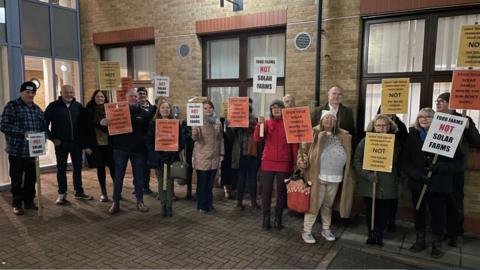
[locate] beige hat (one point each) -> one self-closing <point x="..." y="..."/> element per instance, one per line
<point x="325" y="113"/>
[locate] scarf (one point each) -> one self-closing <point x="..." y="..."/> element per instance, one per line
<point x="213" y="119"/>
<point x="98" y="115"/>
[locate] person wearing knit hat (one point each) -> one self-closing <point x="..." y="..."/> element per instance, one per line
<point x="326" y="112"/>
<point x="455" y="213"/>
<point x="278" y="161"/>
<point x="16" y="130"/>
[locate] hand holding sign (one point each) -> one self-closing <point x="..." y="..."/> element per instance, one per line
<point x="118" y="115"/>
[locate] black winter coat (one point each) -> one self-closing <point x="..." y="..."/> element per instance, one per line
<point x="134" y="142"/>
<point x="413" y="162"/>
<point x="95" y="160"/>
<point x="67" y="123"/>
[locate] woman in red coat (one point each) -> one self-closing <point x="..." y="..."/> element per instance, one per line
<point x="278" y="161"/>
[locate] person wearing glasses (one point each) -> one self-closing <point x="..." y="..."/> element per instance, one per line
<point x="387" y="182"/>
<point x="455" y="213"/>
<point x="144" y="104"/>
<point x="416" y="164"/>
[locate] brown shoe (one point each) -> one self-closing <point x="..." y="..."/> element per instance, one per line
<point x="142" y="207"/>
<point x="115" y="208"/>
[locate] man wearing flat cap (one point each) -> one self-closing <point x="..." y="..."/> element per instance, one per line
<point x="19" y="118"/>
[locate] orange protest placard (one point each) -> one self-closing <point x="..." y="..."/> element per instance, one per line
<point x="121" y="95"/>
<point x="297" y="124"/>
<point x="118" y="115"/>
<point x="127" y="83"/>
<point x="238" y="111"/>
<point x="166" y="135"/>
<point x="465" y="90"/>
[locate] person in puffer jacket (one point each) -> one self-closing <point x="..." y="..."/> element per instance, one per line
<point x="278" y="161"/>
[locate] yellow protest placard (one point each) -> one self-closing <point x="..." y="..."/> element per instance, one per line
<point x="109" y="75"/>
<point x="469" y="50"/>
<point x="378" y="154"/>
<point x="224" y="109"/>
<point x="395" y="95"/>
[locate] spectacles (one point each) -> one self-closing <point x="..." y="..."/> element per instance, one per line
<point x="439" y="101"/>
<point x="382" y="126"/>
<point x="425" y="117"/>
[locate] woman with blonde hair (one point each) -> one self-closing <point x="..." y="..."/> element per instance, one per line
<point x="326" y="164"/>
<point x="386" y="182"/>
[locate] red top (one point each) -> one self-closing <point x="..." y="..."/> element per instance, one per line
<point x="278" y="155"/>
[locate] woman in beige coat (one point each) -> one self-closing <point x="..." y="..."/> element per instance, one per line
<point x="326" y="164"/>
<point x="207" y="154"/>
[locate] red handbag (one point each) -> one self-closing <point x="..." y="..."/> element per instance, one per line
<point x="298" y="194"/>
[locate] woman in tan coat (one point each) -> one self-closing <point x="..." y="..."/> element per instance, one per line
<point x="207" y="154"/>
<point x="326" y="164"/>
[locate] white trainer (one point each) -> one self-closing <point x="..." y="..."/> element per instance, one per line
<point x="308" y="238"/>
<point x="328" y="235"/>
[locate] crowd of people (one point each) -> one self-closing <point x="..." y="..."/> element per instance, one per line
<point x="333" y="162"/>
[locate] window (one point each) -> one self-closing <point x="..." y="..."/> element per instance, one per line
<point x="136" y="61"/>
<point x="3" y="30"/>
<point x="65" y="3"/>
<point x="228" y="65"/>
<point x="36" y="28"/>
<point x="420" y="47"/>
<point x="67" y="73"/>
<point x="65" y="33"/>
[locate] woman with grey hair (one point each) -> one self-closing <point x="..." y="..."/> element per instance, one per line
<point x="416" y="164"/>
<point x="387" y="182"/>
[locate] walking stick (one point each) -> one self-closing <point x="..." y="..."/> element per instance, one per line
<point x="374" y="195"/>
<point x="424" y="188"/>
<point x="39" y="186"/>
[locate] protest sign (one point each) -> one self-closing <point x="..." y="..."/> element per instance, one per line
<point x="109" y="75"/>
<point x="194" y="114"/>
<point x="36" y="144"/>
<point x="238" y="112"/>
<point x="118" y="116"/>
<point x="162" y="86"/>
<point x="224" y="109"/>
<point x="469" y="49"/>
<point x="166" y="134"/>
<point x="265" y="75"/>
<point x="444" y="134"/>
<point x="465" y="90"/>
<point x="298" y="126"/>
<point x="378" y="154"/>
<point x="395" y="95"/>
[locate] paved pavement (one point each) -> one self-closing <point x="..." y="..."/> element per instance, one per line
<point x="83" y="235"/>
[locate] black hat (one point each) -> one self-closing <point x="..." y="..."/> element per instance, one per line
<point x="28" y="85"/>
<point x="445" y="96"/>
<point x="277" y="102"/>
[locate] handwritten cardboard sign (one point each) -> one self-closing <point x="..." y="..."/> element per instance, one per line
<point x="395" y="95"/>
<point x="162" y="86"/>
<point x="194" y="114"/>
<point x="118" y="116"/>
<point x="265" y="75"/>
<point x="238" y="111"/>
<point x="465" y="90"/>
<point x="166" y="134"/>
<point x="469" y="49"/>
<point x="444" y="134"/>
<point x="36" y="144"/>
<point x="109" y="75"/>
<point x="378" y="153"/>
<point x="224" y="109"/>
<point x="297" y="123"/>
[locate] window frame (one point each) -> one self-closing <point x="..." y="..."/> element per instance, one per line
<point x="428" y="76"/>
<point x="243" y="82"/>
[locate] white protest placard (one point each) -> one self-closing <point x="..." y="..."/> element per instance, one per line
<point x="265" y="75"/>
<point x="444" y="134"/>
<point x="162" y="86"/>
<point x="36" y="144"/>
<point x="194" y="114"/>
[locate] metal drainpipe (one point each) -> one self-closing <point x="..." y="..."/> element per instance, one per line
<point x="319" y="50"/>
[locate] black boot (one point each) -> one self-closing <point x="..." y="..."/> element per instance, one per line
<point x="379" y="238"/>
<point x="419" y="244"/>
<point x="437" y="247"/>
<point x="278" y="220"/>
<point x="371" y="238"/>
<point x="266" y="221"/>
<point x="169" y="211"/>
<point x="164" y="211"/>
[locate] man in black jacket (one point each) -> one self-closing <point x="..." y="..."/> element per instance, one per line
<point x="66" y="118"/>
<point x="131" y="146"/>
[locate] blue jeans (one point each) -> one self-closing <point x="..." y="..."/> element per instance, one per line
<point x="61" y="153"/>
<point x="247" y="173"/>
<point x="137" y="160"/>
<point x="204" y="189"/>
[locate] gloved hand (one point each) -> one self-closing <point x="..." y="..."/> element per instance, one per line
<point x="426" y="180"/>
<point x="431" y="168"/>
<point x="372" y="178"/>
